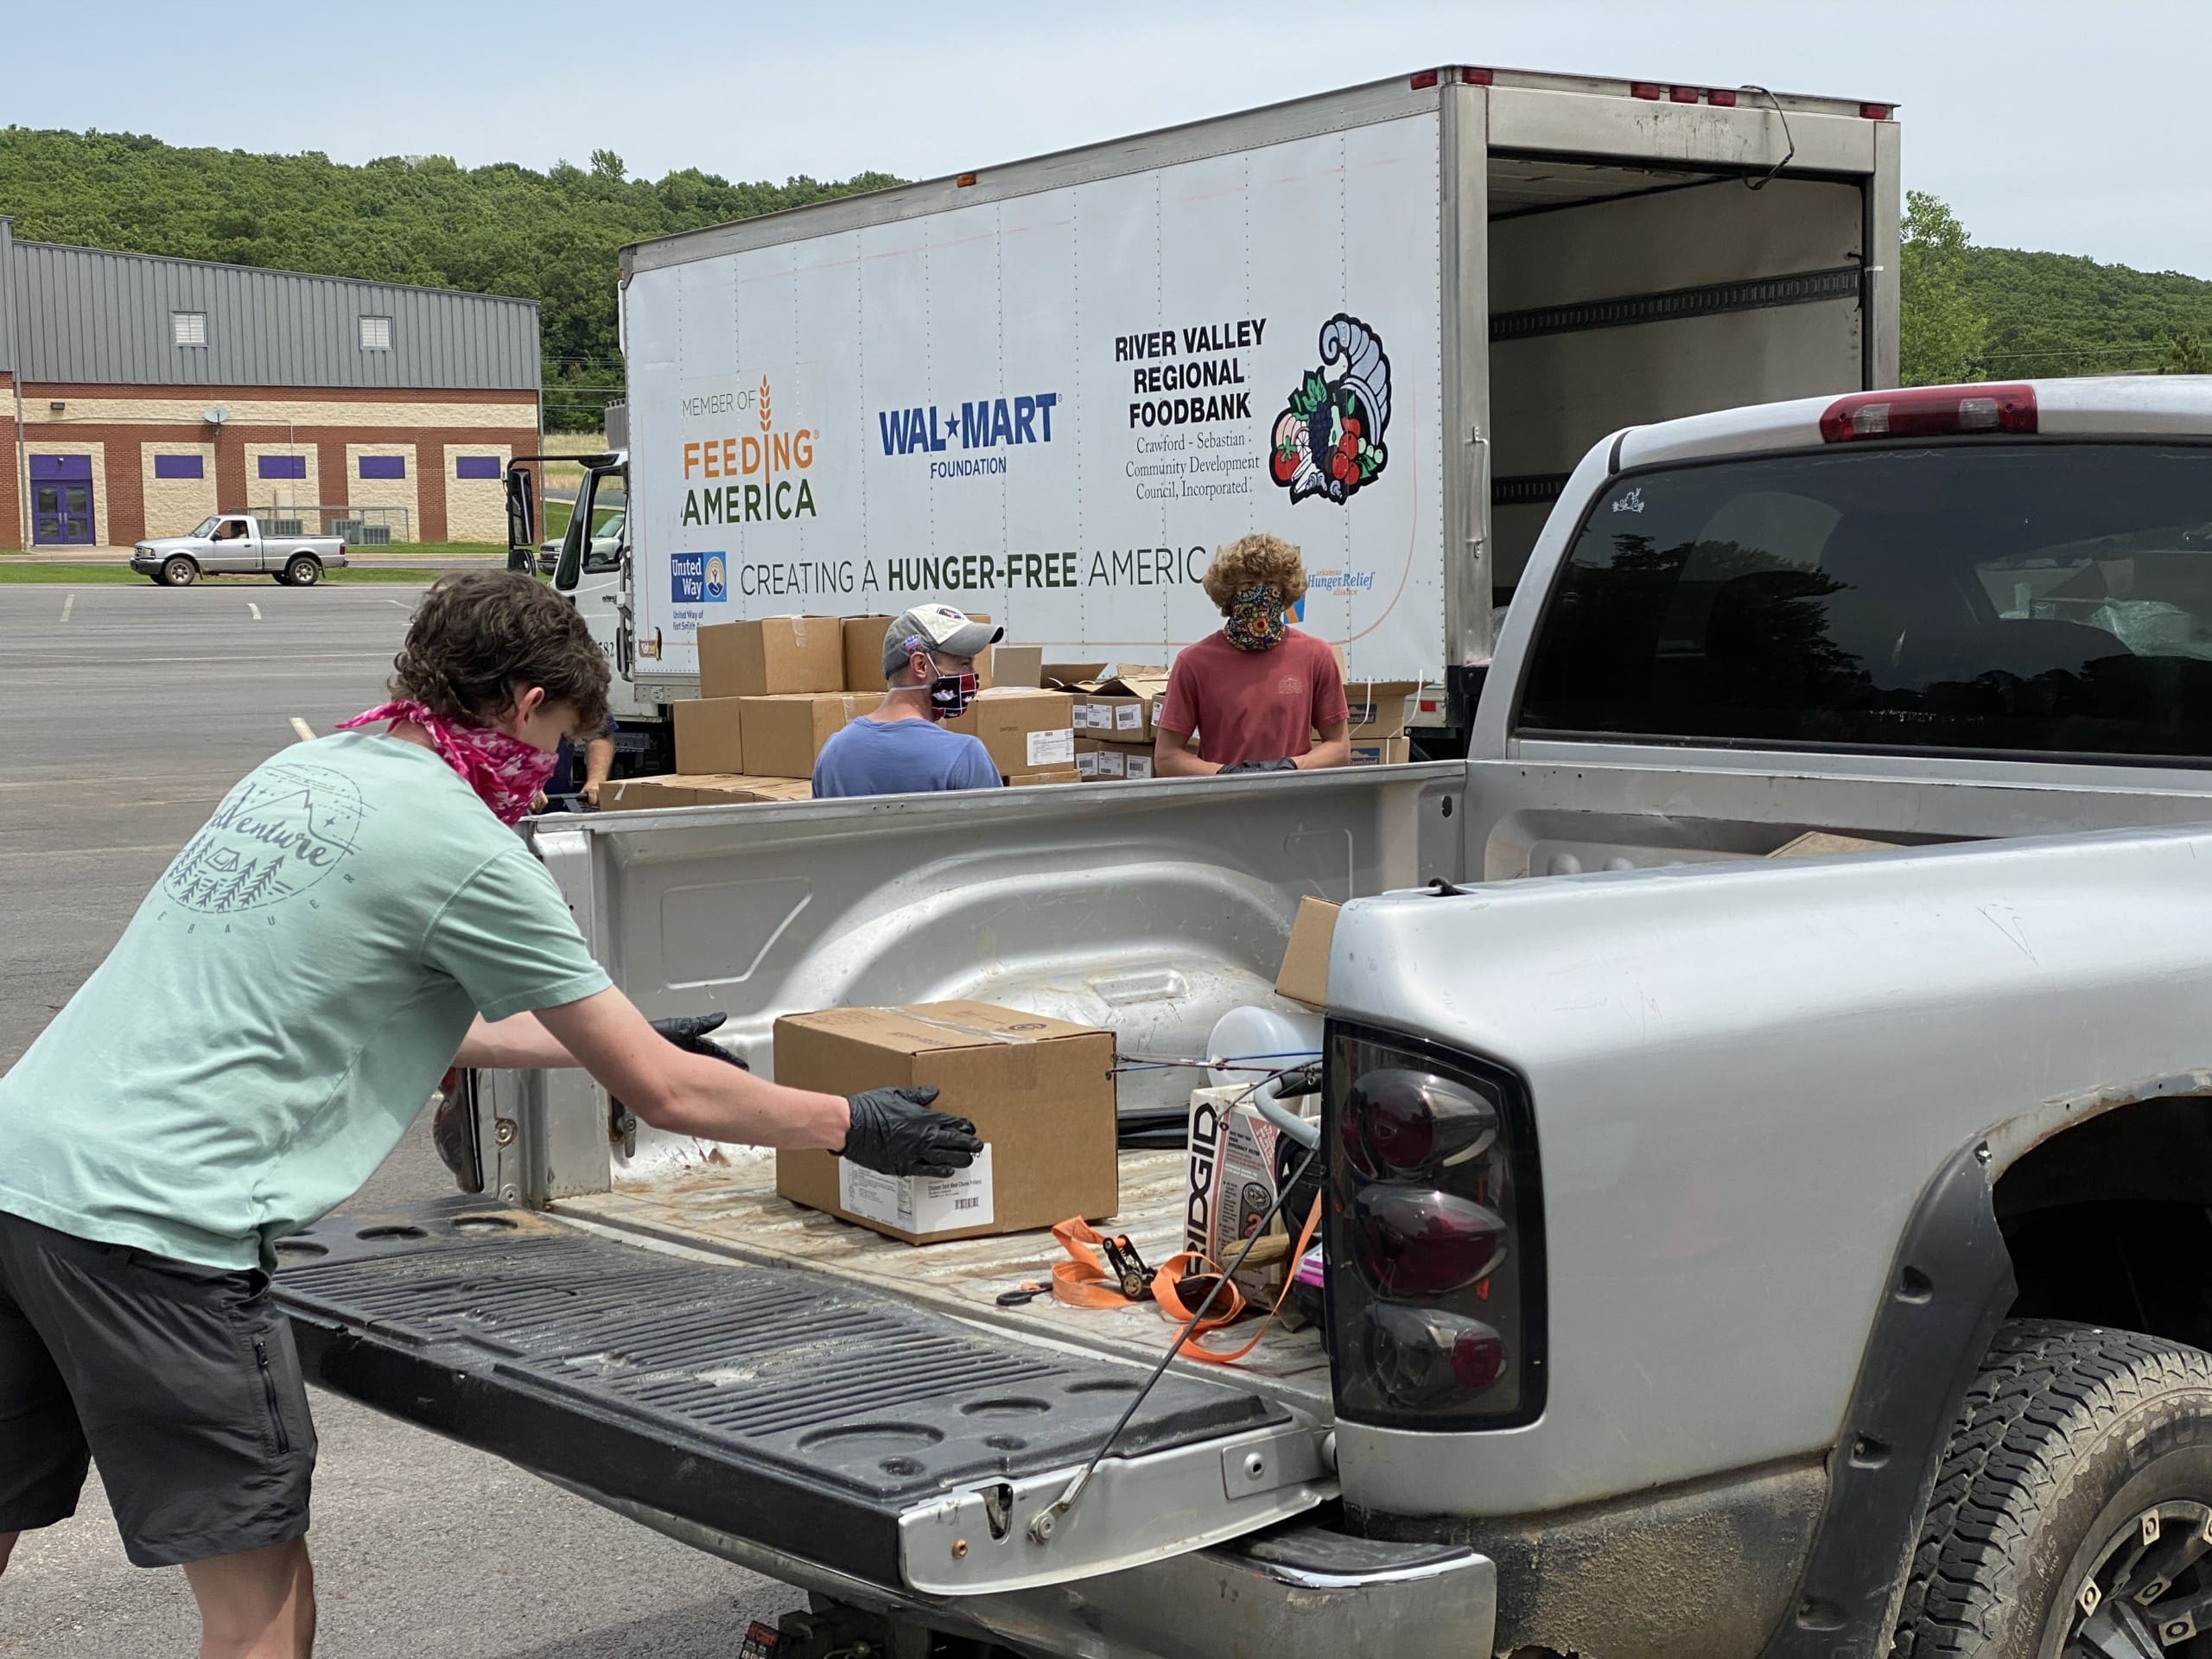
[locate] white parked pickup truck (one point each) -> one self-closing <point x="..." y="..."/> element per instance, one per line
<point x="1727" y="1255"/>
<point x="238" y="544"/>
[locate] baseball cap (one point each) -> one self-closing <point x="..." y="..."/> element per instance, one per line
<point x="935" y="628"/>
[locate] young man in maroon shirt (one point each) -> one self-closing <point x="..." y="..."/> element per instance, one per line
<point x="1257" y="691"/>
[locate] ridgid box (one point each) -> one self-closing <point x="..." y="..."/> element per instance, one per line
<point x="772" y="656"/>
<point x="1039" y="1092"/>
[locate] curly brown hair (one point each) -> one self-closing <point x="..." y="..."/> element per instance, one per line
<point x="480" y="636"/>
<point x="1255" y="560"/>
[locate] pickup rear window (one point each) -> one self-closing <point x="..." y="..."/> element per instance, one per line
<point x="2047" y="597"/>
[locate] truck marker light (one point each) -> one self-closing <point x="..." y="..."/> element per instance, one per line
<point x="1423" y="81"/>
<point x="1644" y="89"/>
<point x="1721" y="98"/>
<point x="1878" y="111"/>
<point x="1475" y="77"/>
<point x="962" y="181"/>
<point x="1419" y="1241"/>
<point x="1682" y="95"/>
<point x="1931" y="412"/>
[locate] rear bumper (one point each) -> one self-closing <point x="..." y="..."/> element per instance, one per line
<point x="1301" y="1589"/>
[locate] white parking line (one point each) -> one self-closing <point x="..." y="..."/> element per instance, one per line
<point x="67" y="605"/>
<point x="394" y="601"/>
<point x="255" y="608"/>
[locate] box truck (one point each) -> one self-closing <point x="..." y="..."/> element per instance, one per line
<point x="1382" y="323"/>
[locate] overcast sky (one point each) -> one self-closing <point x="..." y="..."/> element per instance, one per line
<point x="2070" y="126"/>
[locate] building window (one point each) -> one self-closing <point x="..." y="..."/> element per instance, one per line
<point x="476" y="466"/>
<point x="281" y="467"/>
<point x="376" y="333"/>
<point x="383" y="465"/>
<point x="189" y="327"/>
<point x="179" y="467"/>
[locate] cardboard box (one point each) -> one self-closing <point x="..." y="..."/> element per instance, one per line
<point x="1051" y="775"/>
<point x="1820" y="843"/>
<point x="1385" y="752"/>
<point x="641" y="794"/>
<point x="772" y="655"/>
<point x="1069" y="676"/>
<point x="1378" y="707"/>
<point x="739" y="791"/>
<point x="783" y="735"/>
<point x="1039" y="1092"/>
<point x="1236" y="1158"/>
<point x="1120" y="710"/>
<point x="862" y="642"/>
<point x="1304" y="977"/>
<point x="1024" y="730"/>
<point x="1021" y="666"/>
<point x="1139" y="765"/>
<point x="707" y="736"/>
<point x="1095" y="758"/>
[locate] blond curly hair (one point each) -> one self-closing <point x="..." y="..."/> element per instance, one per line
<point x="1255" y="560"/>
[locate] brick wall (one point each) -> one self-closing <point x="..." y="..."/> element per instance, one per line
<point x="11" y="470"/>
<point x="329" y="426"/>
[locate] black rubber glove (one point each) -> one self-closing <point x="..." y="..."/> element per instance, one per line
<point x="894" y="1132"/>
<point x="1257" y="766"/>
<point x="688" y="1032"/>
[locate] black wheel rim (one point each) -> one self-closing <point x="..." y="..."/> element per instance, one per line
<point x="2149" y="1590"/>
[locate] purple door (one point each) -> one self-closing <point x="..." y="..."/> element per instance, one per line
<point x="61" y="500"/>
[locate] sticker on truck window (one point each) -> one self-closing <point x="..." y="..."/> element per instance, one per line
<point x="918" y="1204"/>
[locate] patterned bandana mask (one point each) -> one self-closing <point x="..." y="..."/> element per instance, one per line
<point x="1255" y="619"/>
<point x="506" y="772"/>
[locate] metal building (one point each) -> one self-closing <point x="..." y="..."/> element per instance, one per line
<point x="139" y="394"/>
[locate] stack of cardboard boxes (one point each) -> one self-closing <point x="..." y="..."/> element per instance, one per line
<point x="773" y="692"/>
<point x="1115" y="720"/>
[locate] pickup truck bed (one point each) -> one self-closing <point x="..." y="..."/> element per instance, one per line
<point x="731" y="1209"/>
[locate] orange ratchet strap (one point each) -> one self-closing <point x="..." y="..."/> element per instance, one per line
<point x="1083" y="1281"/>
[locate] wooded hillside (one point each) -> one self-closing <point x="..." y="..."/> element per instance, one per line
<point x="549" y="237"/>
<point x="1971" y="313"/>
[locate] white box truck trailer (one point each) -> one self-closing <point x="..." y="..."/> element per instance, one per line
<point x="1382" y="323"/>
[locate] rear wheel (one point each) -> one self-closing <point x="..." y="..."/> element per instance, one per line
<point x="2072" y="1516"/>
<point x="303" y="571"/>
<point x="179" y="572"/>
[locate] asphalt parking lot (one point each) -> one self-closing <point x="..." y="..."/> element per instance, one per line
<point x="130" y="709"/>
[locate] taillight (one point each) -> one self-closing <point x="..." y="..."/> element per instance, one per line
<point x="1434" y="1236"/>
<point x="1931" y="412"/>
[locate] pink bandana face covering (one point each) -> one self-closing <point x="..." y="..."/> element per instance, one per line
<point x="506" y="772"/>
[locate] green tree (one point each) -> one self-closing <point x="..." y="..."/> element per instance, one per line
<point x="2188" y="355"/>
<point x="1944" y="332"/>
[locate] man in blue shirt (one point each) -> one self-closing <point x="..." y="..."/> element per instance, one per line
<point x="929" y="659"/>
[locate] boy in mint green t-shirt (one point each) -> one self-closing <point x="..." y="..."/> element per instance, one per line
<point x="355" y="918"/>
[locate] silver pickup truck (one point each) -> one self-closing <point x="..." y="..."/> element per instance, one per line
<point x="1726" y="1253"/>
<point x="239" y="544"/>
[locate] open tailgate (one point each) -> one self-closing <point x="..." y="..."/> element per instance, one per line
<point x="816" y="1416"/>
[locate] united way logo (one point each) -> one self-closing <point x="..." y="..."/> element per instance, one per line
<point x="279" y="833"/>
<point x="698" y="578"/>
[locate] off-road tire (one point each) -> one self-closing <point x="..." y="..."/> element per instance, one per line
<point x="180" y="572"/>
<point x="302" y="570"/>
<point x="2067" y="1433"/>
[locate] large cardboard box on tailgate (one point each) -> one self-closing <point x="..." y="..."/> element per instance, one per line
<point x="863" y="650"/>
<point x="1039" y="1092"/>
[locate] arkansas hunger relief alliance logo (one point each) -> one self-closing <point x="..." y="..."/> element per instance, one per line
<point x="277" y="834"/>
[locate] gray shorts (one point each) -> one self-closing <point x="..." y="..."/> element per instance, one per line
<point x="180" y="1380"/>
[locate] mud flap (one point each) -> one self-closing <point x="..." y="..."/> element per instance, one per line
<point x="818" y="1417"/>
